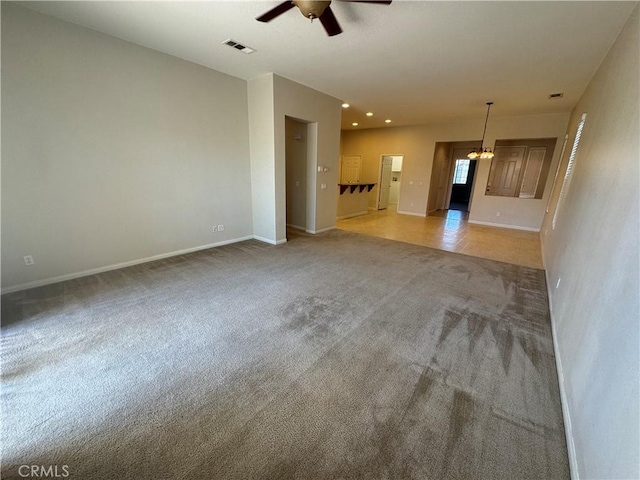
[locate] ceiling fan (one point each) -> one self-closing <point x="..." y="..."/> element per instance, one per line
<point x="314" y="9"/>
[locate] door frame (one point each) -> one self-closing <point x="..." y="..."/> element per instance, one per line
<point x="311" y="140"/>
<point x="452" y="169"/>
<point x="380" y="178"/>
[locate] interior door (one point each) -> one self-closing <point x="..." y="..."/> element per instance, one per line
<point x="505" y="171"/>
<point x="385" y="182"/>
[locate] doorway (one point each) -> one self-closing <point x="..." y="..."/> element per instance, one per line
<point x="452" y="177"/>
<point x="464" y="171"/>
<point x="389" y="181"/>
<point x="300" y="160"/>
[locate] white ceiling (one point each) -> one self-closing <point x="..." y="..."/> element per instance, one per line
<point x="412" y="61"/>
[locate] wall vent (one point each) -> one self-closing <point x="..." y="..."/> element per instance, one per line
<point x="556" y="95"/>
<point x="239" y="46"/>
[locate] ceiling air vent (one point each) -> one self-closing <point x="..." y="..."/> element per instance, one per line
<point x="556" y="95"/>
<point x="239" y="46"/>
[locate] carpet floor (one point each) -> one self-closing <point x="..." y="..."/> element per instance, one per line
<point x="335" y="356"/>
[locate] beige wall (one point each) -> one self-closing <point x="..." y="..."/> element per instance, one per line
<point x="417" y="143"/>
<point x="112" y="152"/>
<point x="115" y="154"/>
<point x="593" y="252"/>
<point x="263" y="173"/>
<point x="271" y="99"/>
<point x="324" y="112"/>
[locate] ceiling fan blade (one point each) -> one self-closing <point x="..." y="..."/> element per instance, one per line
<point x="381" y="2"/>
<point x="274" y="12"/>
<point x="329" y="22"/>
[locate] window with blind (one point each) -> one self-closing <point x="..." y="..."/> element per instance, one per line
<point x="567" y="174"/>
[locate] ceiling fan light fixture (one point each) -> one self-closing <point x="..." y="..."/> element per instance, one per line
<point x="482" y="152"/>
<point x="311" y="8"/>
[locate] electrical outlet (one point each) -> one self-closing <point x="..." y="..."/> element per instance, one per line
<point x="498" y="214"/>
<point x="28" y="260"/>
<point x="221" y="228"/>
<point x="215" y="228"/>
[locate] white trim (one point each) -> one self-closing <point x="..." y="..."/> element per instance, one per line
<point x="412" y="213"/>
<point x="268" y="240"/>
<point x="566" y="414"/>
<point x="357" y="214"/>
<point x="322" y="230"/>
<point x="505" y="225"/>
<point x="116" y="266"/>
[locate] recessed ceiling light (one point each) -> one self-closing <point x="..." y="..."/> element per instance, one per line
<point x="355" y="124"/>
<point x="369" y="114"/>
<point x="345" y="105"/>
<point x="387" y="121"/>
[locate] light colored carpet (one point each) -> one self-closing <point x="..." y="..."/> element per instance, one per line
<point x="333" y="356"/>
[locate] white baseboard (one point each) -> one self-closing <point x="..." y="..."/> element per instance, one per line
<point x="357" y="214"/>
<point x="566" y="414"/>
<point x="505" y="225"/>
<point x="268" y="240"/>
<point x="314" y="232"/>
<point x="116" y="266"/>
<point x="412" y="213"/>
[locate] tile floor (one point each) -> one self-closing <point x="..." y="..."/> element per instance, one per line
<point x="449" y="230"/>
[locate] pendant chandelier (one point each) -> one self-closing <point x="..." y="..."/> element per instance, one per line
<point x="482" y="152"/>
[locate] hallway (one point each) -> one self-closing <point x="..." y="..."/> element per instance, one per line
<point x="449" y="230"/>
